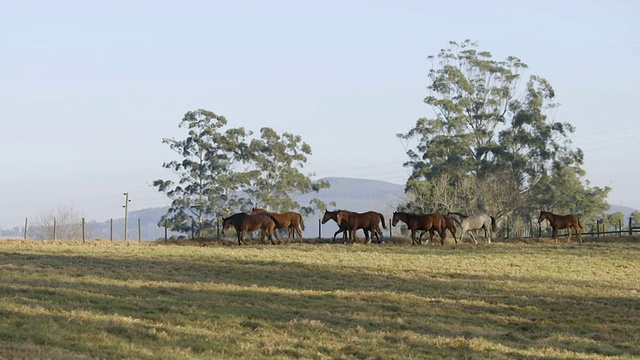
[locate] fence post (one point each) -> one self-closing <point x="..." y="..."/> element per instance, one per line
<point x="319" y="229"/>
<point x="54" y="228"/>
<point x="630" y="228"/>
<point x="111" y="230"/>
<point x="166" y="233"/>
<point x="83" y="230"/>
<point x="391" y="228"/>
<point x="620" y="228"/>
<point x="139" y="231"/>
<point x="25" y="227"/>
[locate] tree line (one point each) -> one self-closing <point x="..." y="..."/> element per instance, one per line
<point x="490" y="143"/>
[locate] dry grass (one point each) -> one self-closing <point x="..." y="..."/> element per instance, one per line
<point x="539" y="300"/>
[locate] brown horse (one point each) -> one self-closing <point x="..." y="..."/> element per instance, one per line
<point x="342" y="227"/>
<point x="449" y="224"/>
<point x="368" y="222"/>
<point x="561" y="222"/>
<point x="243" y="222"/>
<point x="424" y="222"/>
<point x="292" y="221"/>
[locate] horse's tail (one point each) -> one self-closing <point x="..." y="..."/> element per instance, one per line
<point x="301" y="222"/>
<point x="493" y="224"/>
<point x="579" y="223"/>
<point x="457" y="218"/>
<point x="274" y="220"/>
<point x="384" y="226"/>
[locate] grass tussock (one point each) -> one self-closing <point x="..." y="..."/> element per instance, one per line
<point x="114" y="300"/>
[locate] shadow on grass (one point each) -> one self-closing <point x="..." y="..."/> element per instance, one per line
<point x="286" y="296"/>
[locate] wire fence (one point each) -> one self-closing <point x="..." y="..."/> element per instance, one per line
<point x="56" y="231"/>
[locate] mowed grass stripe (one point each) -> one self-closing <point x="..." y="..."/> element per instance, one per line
<point x="504" y="300"/>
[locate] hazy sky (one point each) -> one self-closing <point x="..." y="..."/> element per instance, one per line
<point x="90" y="88"/>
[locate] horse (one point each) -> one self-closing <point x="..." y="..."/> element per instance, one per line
<point x="342" y="227"/>
<point x="449" y="224"/>
<point x="475" y="222"/>
<point x="369" y="220"/>
<point x="561" y="222"/>
<point x="424" y="222"/>
<point x="243" y="222"/>
<point x="292" y="221"/>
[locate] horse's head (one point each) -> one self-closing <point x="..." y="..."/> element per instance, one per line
<point x="328" y="215"/>
<point x="543" y="216"/>
<point x="396" y="218"/>
<point x="225" y="224"/>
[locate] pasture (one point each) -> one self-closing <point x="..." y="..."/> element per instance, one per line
<point x="505" y="300"/>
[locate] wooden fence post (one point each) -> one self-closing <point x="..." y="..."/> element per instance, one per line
<point x="83" y="228"/>
<point x="166" y="238"/>
<point x="319" y="229"/>
<point x="139" y="231"/>
<point x="54" y="228"/>
<point x="25" y="227"/>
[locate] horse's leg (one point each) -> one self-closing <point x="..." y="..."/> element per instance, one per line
<point x="487" y="233"/>
<point x="336" y="233"/>
<point x="443" y="235"/>
<point x="413" y="237"/>
<point x="368" y="236"/>
<point x="578" y="232"/>
<point x="453" y="233"/>
<point x="299" y="231"/>
<point x="569" y="232"/>
<point x="554" y="233"/>
<point x="473" y="237"/>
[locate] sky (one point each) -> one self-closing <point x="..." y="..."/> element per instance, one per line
<point x="88" y="89"/>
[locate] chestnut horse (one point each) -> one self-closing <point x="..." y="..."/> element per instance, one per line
<point x="292" y="221"/>
<point x="561" y="222"/>
<point x="449" y="224"/>
<point x="368" y="222"/>
<point x="424" y="222"/>
<point x="243" y="222"/>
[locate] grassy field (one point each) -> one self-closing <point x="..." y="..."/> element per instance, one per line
<point x="69" y="300"/>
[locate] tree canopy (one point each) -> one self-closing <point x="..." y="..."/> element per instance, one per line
<point x="222" y="170"/>
<point x="492" y="143"/>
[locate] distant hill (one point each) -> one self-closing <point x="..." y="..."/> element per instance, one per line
<point x="623" y="209"/>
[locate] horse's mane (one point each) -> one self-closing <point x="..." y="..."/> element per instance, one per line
<point x="458" y="214"/>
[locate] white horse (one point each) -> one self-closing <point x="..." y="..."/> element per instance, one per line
<point x="475" y="222"/>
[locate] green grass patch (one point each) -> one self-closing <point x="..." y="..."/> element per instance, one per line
<point x="68" y="300"/>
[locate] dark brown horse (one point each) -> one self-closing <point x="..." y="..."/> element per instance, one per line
<point x="368" y="222"/>
<point x="561" y="222"/>
<point x="292" y="221"/>
<point x="243" y="223"/>
<point x="342" y="227"/>
<point x="424" y="222"/>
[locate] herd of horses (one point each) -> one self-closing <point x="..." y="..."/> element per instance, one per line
<point x="369" y="222"/>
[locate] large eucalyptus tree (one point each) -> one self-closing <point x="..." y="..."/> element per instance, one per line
<point x="207" y="185"/>
<point x="491" y="142"/>
<point x="221" y="170"/>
